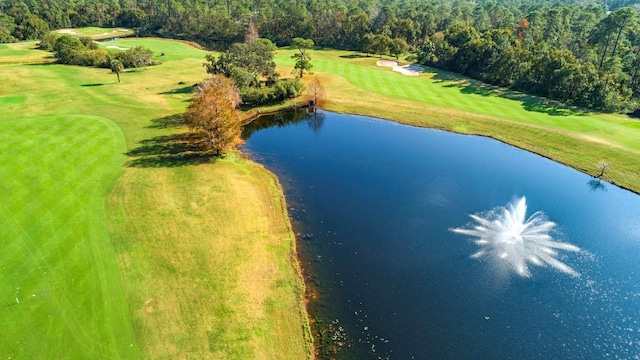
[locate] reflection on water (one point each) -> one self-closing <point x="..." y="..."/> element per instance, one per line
<point x="373" y="203"/>
<point x="313" y="119"/>
<point x="597" y="185"/>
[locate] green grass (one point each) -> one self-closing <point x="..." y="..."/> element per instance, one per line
<point x="61" y="293"/>
<point x="23" y="53"/>
<point x="200" y="255"/>
<point x="174" y="50"/>
<point x="448" y="101"/>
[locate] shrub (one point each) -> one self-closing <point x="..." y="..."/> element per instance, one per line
<point x="48" y="40"/>
<point x="280" y="91"/>
<point x="138" y="56"/>
<point x="88" y="43"/>
<point x="65" y="48"/>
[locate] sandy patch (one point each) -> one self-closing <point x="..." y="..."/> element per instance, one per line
<point x="67" y="31"/>
<point x="601" y="141"/>
<point x="408" y="70"/>
<point x="116" y="47"/>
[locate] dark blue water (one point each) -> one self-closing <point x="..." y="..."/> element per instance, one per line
<point x="374" y="203"/>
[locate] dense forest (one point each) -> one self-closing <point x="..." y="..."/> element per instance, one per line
<point x="583" y="52"/>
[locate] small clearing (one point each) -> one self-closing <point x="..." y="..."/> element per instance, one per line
<point x="408" y="70"/>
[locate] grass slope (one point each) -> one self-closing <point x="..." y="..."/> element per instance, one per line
<point x="211" y="263"/>
<point x="220" y="276"/>
<point x="448" y="101"/>
<point x="23" y="53"/>
<point x="61" y="295"/>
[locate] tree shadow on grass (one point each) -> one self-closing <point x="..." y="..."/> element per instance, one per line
<point x="167" y="122"/>
<point x="182" y="90"/>
<point x="170" y="151"/>
<point x="529" y="102"/>
<point x="354" y="56"/>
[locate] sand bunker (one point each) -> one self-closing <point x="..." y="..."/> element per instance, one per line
<point x="408" y="70"/>
<point x="116" y="47"/>
<point x="67" y="31"/>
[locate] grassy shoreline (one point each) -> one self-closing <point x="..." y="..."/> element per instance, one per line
<point x="206" y="276"/>
<point x="450" y="102"/>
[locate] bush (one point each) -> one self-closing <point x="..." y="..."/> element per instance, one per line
<point x="48" y="41"/>
<point x="280" y="91"/>
<point x="97" y="58"/>
<point x="138" y="56"/>
<point x="88" y="43"/>
<point x="258" y="96"/>
<point x="65" y="48"/>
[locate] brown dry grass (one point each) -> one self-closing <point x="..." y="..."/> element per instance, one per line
<point x="209" y="271"/>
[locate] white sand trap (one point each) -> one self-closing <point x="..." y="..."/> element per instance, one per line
<point x="116" y="47"/>
<point x="66" y="31"/>
<point x="408" y="70"/>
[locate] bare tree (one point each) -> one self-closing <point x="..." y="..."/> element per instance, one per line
<point x="315" y="92"/>
<point x="602" y="166"/>
<point x="252" y="33"/>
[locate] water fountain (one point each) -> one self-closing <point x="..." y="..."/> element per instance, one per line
<point x="504" y="234"/>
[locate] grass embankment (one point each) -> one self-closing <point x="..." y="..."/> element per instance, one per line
<point x="23" y="53"/>
<point x="198" y="260"/>
<point x="354" y="84"/>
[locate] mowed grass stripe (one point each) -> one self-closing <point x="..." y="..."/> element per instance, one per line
<point x="56" y="257"/>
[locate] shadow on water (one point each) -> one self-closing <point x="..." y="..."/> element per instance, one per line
<point x="529" y="102"/>
<point x="596" y="185"/>
<point x="313" y="119"/>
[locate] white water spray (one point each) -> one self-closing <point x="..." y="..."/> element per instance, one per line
<point x="505" y="235"/>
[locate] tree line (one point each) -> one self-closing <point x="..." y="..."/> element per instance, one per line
<point x="585" y="52"/>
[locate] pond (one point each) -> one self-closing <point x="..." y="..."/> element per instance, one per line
<point x="375" y="204"/>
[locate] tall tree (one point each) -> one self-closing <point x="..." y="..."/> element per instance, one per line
<point x="397" y="47"/>
<point x="213" y="114"/>
<point x="303" y="61"/>
<point x="116" y="67"/>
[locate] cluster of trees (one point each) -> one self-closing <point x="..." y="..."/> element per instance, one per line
<point x="253" y="70"/>
<point x="83" y="51"/>
<point x="381" y="44"/>
<point x="590" y="47"/>
<point x="331" y="23"/>
<point x="579" y="55"/>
